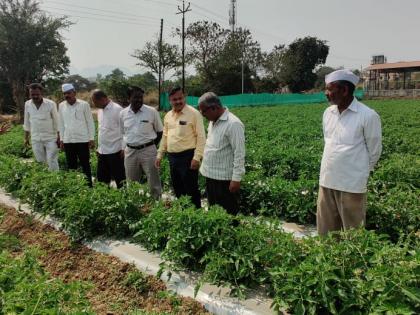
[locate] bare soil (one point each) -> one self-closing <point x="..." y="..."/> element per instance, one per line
<point x="109" y="293"/>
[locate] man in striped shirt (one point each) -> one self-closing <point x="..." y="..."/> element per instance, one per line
<point x="224" y="153"/>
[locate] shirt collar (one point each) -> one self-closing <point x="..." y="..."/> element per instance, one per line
<point x="224" y="115"/>
<point x="108" y="106"/>
<point x="183" y="111"/>
<point x="131" y="110"/>
<point x="353" y="107"/>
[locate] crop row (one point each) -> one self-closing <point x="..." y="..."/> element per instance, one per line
<point x="363" y="273"/>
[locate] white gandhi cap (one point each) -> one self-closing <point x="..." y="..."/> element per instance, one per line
<point x="342" y="75"/>
<point x="67" y="87"/>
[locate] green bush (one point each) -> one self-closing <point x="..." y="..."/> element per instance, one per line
<point x="44" y="190"/>
<point x="14" y="171"/>
<point x="12" y="143"/>
<point x="26" y="289"/>
<point x="356" y="272"/>
<point x="103" y="210"/>
<point x="394" y="212"/>
<point x="244" y="260"/>
<point x="195" y="232"/>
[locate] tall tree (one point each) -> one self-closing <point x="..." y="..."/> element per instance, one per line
<point x="149" y="57"/>
<point x="226" y="65"/>
<point x="272" y="65"/>
<point x="205" y="40"/>
<point x="31" y="47"/>
<point x="299" y="61"/>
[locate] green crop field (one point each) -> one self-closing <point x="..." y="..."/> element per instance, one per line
<point x="373" y="271"/>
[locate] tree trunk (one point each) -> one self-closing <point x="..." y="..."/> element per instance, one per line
<point x="19" y="95"/>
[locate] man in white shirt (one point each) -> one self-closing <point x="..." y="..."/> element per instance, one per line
<point x="110" y="151"/>
<point x="353" y="145"/>
<point x="41" y="127"/>
<point x="77" y="131"/>
<point x="142" y="130"/>
<point x="223" y="162"/>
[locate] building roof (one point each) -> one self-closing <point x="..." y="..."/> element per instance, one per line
<point x="395" y="65"/>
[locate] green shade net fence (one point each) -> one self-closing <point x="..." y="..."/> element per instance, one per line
<point x="263" y="99"/>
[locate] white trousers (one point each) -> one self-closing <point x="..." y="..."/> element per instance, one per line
<point x="46" y="152"/>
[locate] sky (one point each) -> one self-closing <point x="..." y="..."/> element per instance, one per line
<point x="106" y="32"/>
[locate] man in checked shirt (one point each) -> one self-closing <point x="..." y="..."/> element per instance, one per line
<point x="224" y="153"/>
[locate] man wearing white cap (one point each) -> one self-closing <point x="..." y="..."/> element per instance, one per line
<point x="77" y="131"/>
<point x="353" y="145"/>
<point x="41" y="127"/>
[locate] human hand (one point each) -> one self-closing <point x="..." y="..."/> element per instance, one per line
<point x="158" y="162"/>
<point x="234" y="186"/>
<point x="194" y="165"/>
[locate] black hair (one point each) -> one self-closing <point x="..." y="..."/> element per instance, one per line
<point x="175" y="89"/>
<point x="133" y="89"/>
<point x="98" y="94"/>
<point x="36" y="86"/>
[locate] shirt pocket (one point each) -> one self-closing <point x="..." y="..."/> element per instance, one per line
<point x="79" y="114"/>
<point x="348" y="133"/>
<point x="183" y="128"/>
<point x="145" y="127"/>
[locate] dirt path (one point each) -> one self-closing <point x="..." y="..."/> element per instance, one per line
<point x="117" y="287"/>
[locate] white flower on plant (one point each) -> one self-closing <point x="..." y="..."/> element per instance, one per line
<point x="305" y="192"/>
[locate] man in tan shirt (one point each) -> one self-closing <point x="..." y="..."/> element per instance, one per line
<point x="183" y="139"/>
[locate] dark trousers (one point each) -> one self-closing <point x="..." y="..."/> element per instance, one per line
<point x="184" y="179"/>
<point x="218" y="193"/>
<point x="111" y="166"/>
<point x="78" y="153"/>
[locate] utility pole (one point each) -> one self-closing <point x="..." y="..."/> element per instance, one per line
<point x="183" y="11"/>
<point x="160" y="61"/>
<point x="232" y="23"/>
<point x="232" y="15"/>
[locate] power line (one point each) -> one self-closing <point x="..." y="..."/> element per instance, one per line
<point x="95" y="14"/>
<point x="115" y="14"/>
<point x="58" y="14"/>
<point x="124" y="14"/>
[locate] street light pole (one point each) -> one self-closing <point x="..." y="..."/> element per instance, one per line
<point x="183" y="11"/>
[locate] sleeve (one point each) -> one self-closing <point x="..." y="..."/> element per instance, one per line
<point x="163" y="147"/>
<point x="90" y="122"/>
<point x="201" y="137"/>
<point x="54" y="116"/>
<point x="237" y="141"/>
<point x="61" y="121"/>
<point x="122" y="130"/>
<point x="158" y="122"/>
<point x="26" y="121"/>
<point x="373" y="137"/>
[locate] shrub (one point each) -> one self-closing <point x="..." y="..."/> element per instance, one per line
<point x="356" y="272"/>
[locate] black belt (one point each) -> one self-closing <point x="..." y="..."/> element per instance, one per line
<point x="182" y="153"/>
<point x="141" y="146"/>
